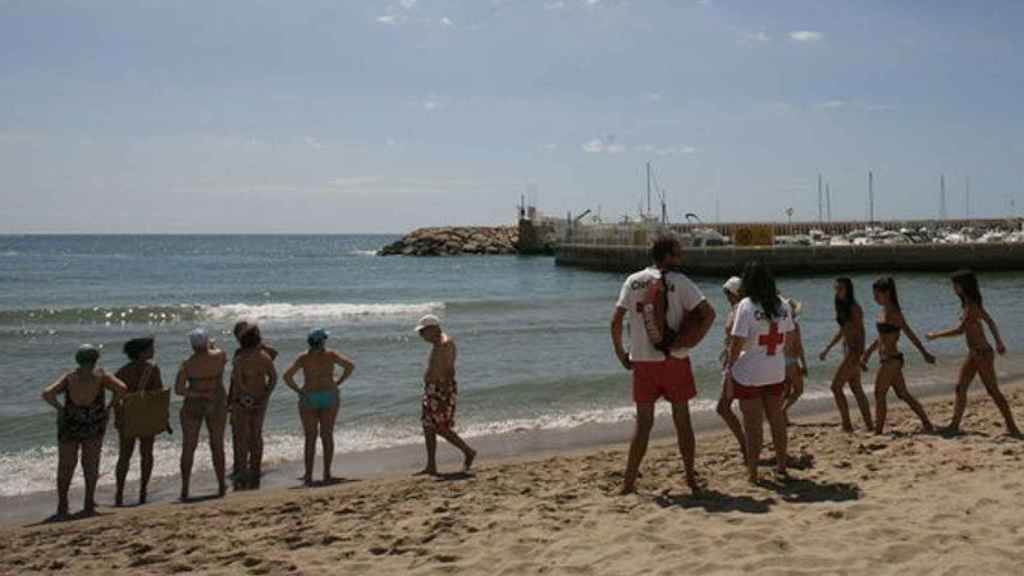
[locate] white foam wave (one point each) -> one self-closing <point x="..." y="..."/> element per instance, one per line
<point x="33" y="470"/>
<point x="363" y="253"/>
<point x="338" y="311"/>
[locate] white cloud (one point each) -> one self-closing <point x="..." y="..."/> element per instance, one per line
<point x="407" y="4"/>
<point x="447" y="22"/>
<point x="704" y="2"/>
<point x="390" y="19"/>
<point x="805" y="36"/>
<point x="431" y="104"/>
<point x="599" y="146"/>
<point x="558" y="5"/>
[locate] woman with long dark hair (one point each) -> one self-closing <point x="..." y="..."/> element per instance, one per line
<point x="891" y="324"/>
<point x="850" y="318"/>
<point x="756" y="367"/>
<point x="980" y="360"/>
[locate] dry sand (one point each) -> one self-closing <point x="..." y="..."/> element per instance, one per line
<point x="904" y="503"/>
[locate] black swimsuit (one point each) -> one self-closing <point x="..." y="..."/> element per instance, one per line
<point x="886" y="328"/>
<point x="81" y="423"/>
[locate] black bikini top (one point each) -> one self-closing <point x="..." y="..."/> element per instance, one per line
<point x="886" y="328"/>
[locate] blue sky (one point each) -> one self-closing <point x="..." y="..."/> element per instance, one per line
<point x="260" y="116"/>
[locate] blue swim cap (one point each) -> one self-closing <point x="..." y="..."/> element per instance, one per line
<point x="317" y="337"/>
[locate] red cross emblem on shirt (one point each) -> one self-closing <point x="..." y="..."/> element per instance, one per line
<point x="772" y="339"/>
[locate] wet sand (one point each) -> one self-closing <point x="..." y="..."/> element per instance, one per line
<point x="905" y="502"/>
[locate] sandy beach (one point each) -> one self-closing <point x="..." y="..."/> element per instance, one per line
<point x="904" y="503"/>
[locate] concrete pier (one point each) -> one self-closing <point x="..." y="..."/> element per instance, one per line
<point x="806" y="260"/>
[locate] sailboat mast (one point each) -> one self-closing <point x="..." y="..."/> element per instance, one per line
<point x="942" y="197"/>
<point x="820" y="215"/>
<point x="648" y="189"/>
<point x="871" y="197"/>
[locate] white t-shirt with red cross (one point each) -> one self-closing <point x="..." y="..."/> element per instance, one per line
<point x="762" y="362"/>
<point x="683" y="296"/>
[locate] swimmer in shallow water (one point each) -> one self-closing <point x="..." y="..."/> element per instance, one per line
<point x="318" y="397"/>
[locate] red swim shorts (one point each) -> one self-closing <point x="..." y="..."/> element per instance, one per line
<point x="671" y="379"/>
<point x="749" y="392"/>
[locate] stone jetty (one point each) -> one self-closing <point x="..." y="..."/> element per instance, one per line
<point x="455" y="241"/>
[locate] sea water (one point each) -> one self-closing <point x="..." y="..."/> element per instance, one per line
<point x="534" y="346"/>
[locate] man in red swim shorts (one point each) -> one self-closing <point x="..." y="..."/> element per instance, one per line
<point x="657" y="374"/>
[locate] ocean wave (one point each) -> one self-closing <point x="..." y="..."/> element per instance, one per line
<point x="277" y="311"/>
<point x="30" y="471"/>
<point x="363" y="253"/>
<point x="283" y="311"/>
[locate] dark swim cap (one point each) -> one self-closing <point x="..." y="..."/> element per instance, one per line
<point x="137" y="347"/>
<point x="87" y="355"/>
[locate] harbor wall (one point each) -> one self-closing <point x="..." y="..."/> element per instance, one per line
<point x="805" y="260"/>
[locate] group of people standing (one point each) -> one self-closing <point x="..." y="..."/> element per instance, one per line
<point x="83" y="410"/>
<point x="763" y="361"/>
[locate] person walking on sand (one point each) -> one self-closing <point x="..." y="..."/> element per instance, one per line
<point x="139" y="374"/>
<point x="81" y="424"/>
<point x="318" y="397"/>
<point x="661" y="302"/>
<point x="980" y="360"/>
<point x="850" y="318"/>
<point x="796" y="361"/>
<point x="756" y="369"/>
<point x="891" y="324"/>
<point x="439" y="394"/>
<point x="236" y="443"/>
<point x="253" y="378"/>
<point x="731" y="288"/>
<point x="201" y="381"/>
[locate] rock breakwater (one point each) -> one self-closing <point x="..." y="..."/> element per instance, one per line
<point x="455" y="241"/>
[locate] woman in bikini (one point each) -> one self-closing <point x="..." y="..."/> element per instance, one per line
<point x="850" y="318"/>
<point x="253" y="378"/>
<point x="140" y="373"/>
<point x="201" y="381"/>
<point x="980" y="360"/>
<point x="891" y="324"/>
<point x="796" y="361"/>
<point x="81" y="423"/>
<point x="318" y="397"/>
<point x="236" y="443"/>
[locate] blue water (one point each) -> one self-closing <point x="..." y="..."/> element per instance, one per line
<point x="533" y="338"/>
